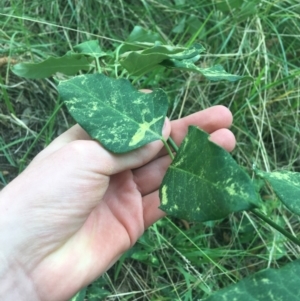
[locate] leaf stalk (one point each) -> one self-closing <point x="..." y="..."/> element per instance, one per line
<point x="287" y="234"/>
<point x="173" y="144"/>
<point x="168" y="148"/>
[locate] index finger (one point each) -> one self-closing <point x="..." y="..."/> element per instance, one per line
<point x="211" y="120"/>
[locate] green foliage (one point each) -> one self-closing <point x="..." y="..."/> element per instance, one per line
<point x="80" y="296"/>
<point x="113" y="112"/>
<point x="267" y="285"/>
<point x="139" y="39"/>
<point x="96" y="292"/>
<point x="68" y="64"/>
<point x="241" y="9"/>
<point x="139" y="62"/>
<point x="204" y="183"/>
<point x="90" y="48"/>
<point x="143" y="252"/>
<point x="214" y="73"/>
<point x="286" y="185"/>
<point x="93" y="292"/>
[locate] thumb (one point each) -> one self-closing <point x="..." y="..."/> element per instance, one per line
<point x="119" y="162"/>
<point x="86" y="154"/>
<point x="75" y="145"/>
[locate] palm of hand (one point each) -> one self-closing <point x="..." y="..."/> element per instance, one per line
<point x="86" y="223"/>
<point x="94" y="235"/>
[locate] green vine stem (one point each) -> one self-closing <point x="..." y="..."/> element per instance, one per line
<point x="98" y="65"/>
<point x="168" y="148"/>
<point x="173" y="144"/>
<point x="275" y="226"/>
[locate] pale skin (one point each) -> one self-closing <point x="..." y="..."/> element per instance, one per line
<point x="77" y="208"/>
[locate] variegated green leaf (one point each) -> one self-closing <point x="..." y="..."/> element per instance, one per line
<point x="286" y="185"/>
<point x="114" y="112"/>
<point x="204" y="183"/>
<point x="177" y="53"/>
<point x="268" y="285"/>
<point x="214" y="73"/>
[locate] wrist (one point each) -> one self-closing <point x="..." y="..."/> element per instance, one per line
<point x="15" y="284"/>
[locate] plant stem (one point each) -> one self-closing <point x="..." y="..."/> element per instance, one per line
<point x="173" y="144"/>
<point x="6" y="98"/>
<point x="168" y="148"/>
<point x="98" y="64"/>
<point x="277" y="227"/>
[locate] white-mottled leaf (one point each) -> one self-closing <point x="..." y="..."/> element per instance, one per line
<point x="268" y="285"/>
<point x="286" y="185"/>
<point x="114" y="112"/>
<point x="204" y="183"/>
<point x="214" y="73"/>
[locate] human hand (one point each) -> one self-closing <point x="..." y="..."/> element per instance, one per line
<point x="77" y="207"/>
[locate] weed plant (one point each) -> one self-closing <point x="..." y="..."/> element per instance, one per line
<point x="173" y="260"/>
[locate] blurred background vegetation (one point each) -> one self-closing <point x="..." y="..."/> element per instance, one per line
<point x="174" y="260"/>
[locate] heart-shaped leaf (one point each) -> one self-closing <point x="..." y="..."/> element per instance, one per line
<point x="68" y="64"/>
<point x="204" y="183"/>
<point x="267" y="285"/>
<point x="286" y="185"/>
<point x="114" y="112"/>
